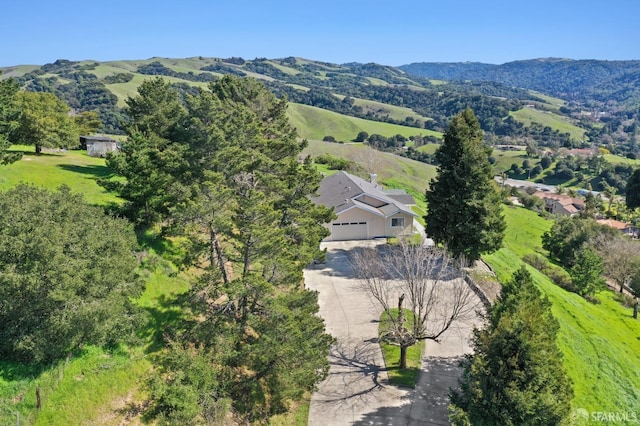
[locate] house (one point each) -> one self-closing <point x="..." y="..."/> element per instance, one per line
<point x="560" y="204"/>
<point x="625" y="228"/>
<point x="364" y="209"/>
<point x="98" y="146"/>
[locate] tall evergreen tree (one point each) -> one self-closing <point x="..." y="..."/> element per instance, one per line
<point x="516" y="375"/>
<point x="633" y="190"/>
<point x="152" y="159"/>
<point x="464" y="202"/>
<point x="223" y="171"/>
<point x="8" y="90"/>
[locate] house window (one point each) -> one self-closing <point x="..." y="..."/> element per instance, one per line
<point x="397" y="222"/>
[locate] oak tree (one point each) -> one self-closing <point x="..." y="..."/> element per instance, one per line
<point x="67" y="274"/>
<point x="43" y="121"/>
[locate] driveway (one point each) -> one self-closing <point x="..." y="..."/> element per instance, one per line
<point x="357" y="389"/>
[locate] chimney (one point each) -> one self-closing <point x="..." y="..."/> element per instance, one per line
<point x="373" y="179"/>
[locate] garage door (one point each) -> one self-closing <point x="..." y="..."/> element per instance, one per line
<point x="341" y="231"/>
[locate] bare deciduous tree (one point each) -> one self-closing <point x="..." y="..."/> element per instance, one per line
<point x="620" y="256"/>
<point x="427" y="279"/>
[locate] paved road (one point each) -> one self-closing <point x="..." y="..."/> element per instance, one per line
<point x="524" y="184"/>
<point x="357" y="390"/>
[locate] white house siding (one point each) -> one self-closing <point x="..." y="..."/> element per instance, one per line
<point x="358" y="224"/>
<point x="395" y="230"/>
<point x="355" y="218"/>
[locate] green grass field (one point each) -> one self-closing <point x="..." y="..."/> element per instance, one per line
<point x="556" y="122"/>
<point x="316" y="123"/>
<point x="50" y="170"/>
<point x="551" y="102"/>
<point x="616" y="159"/>
<point x="600" y="343"/>
<point x="395" y="112"/>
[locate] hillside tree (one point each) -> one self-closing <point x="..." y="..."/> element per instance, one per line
<point x="67" y="275"/>
<point x="152" y="159"/>
<point x="515" y="375"/>
<point x="620" y="255"/>
<point x="569" y="236"/>
<point x="464" y="202"/>
<point x="633" y="190"/>
<point x="235" y="193"/>
<point x="43" y="121"/>
<point x="586" y="273"/>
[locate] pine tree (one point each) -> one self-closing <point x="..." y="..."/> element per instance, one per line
<point x="516" y="375"/>
<point x="464" y="202"/>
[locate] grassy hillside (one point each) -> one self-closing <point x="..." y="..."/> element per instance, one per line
<point x="616" y="159"/>
<point x="316" y="123"/>
<point x="546" y="118"/>
<point x="600" y="343"/>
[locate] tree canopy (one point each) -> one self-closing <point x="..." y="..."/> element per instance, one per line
<point x="220" y="168"/>
<point x="8" y="90"/>
<point x="569" y="236"/>
<point x="464" y="203"/>
<point x="43" y="121"/>
<point x="67" y="273"/>
<point x="516" y="375"/>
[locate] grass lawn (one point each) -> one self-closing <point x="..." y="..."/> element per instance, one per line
<point x="391" y="353"/>
<point x="600" y="343"/>
<point x="50" y="170"/>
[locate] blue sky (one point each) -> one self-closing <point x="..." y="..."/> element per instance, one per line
<point x="389" y="33"/>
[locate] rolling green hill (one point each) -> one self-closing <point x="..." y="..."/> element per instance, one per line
<point x="366" y="91"/>
<point x="315" y="123"/>
<point x="547" y="118"/>
<point x="600" y="343"/>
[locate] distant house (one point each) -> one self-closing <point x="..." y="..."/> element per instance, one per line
<point x="625" y="228"/>
<point x="364" y="209"/>
<point x="578" y="152"/>
<point x="560" y="204"/>
<point x="98" y="146"/>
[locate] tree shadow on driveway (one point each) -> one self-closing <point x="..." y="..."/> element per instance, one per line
<point x="429" y="401"/>
<point x="355" y="381"/>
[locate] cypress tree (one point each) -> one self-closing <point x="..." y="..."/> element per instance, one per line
<point x="464" y="202"/>
<point x="516" y="375"/>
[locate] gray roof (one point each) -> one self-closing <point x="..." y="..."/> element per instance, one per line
<point x="406" y="199"/>
<point x="84" y="138"/>
<point x="343" y="191"/>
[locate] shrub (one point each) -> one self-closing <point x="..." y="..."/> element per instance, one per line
<point x="558" y="275"/>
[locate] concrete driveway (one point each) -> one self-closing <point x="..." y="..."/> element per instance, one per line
<point x="357" y="389"/>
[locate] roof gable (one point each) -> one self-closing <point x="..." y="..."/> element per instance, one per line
<point x="343" y="190"/>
